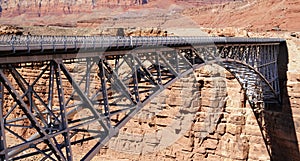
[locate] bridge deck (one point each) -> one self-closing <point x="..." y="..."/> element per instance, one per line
<point x="18" y="49"/>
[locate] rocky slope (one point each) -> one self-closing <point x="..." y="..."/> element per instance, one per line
<point x="257" y="15"/>
<point x="54" y="17"/>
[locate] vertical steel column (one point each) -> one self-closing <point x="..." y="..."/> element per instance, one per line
<point x="135" y="68"/>
<point x="255" y="57"/>
<point x="277" y="88"/>
<point x="117" y="60"/>
<point x="64" y="121"/>
<point x="157" y="66"/>
<point x="268" y="54"/>
<point x="264" y="57"/>
<point x="104" y="92"/>
<point x="87" y="77"/>
<point x="50" y="92"/>
<point x="176" y="61"/>
<point x="2" y="129"/>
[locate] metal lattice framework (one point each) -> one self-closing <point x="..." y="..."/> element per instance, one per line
<point x="87" y="88"/>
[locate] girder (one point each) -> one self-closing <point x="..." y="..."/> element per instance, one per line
<point x="87" y="88"/>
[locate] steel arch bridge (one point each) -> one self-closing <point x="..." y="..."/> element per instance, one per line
<point x="92" y="86"/>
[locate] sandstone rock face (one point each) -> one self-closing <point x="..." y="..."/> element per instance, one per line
<point x="256" y="15"/>
<point x="8" y="30"/>
<point x="228" y="32"/>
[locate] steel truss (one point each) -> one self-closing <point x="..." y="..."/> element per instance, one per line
<point x="69" y="102"/>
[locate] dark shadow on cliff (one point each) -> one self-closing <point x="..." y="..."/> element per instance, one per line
<point x="280" y="124"/>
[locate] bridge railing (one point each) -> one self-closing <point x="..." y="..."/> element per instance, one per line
<point x="16" y="43"/>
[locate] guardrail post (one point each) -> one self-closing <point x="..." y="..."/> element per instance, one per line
<point x="65" y="43"/>
<point x="42" y="40"/>
<point x="13" y="38"/>
<point x="27" y="43"/>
